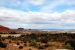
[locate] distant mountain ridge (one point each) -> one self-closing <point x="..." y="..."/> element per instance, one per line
<point x="7" y="29"/>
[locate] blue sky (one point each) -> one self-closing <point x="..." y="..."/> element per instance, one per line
<point x="38" y="14"/>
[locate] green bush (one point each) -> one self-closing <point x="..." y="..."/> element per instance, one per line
<point x="3" y="45"/>
<point x="34" y="44"/>
<point x="67" y="46"/>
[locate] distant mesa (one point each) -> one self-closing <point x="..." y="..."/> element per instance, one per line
<point x="20" y="29"/>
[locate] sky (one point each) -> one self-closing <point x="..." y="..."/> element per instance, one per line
<point x="38" y="14"/>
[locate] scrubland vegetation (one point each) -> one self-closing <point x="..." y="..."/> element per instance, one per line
<point x="46" y="41"/>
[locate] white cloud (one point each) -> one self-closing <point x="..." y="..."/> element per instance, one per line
<point x="36" y="2"/>
<point x="70" y="2"/>
<point x="44" y="5"/>
<point x="53" y="4"/>
<point x="27" y="16"/>
<point x="69" y="21"/>
<point x="68" y="16"/>
<point x="36" y="19"/>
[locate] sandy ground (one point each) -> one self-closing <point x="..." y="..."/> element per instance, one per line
<point x="63" y="49"/>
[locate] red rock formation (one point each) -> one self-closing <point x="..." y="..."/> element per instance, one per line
<point x="5" y="29"/>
